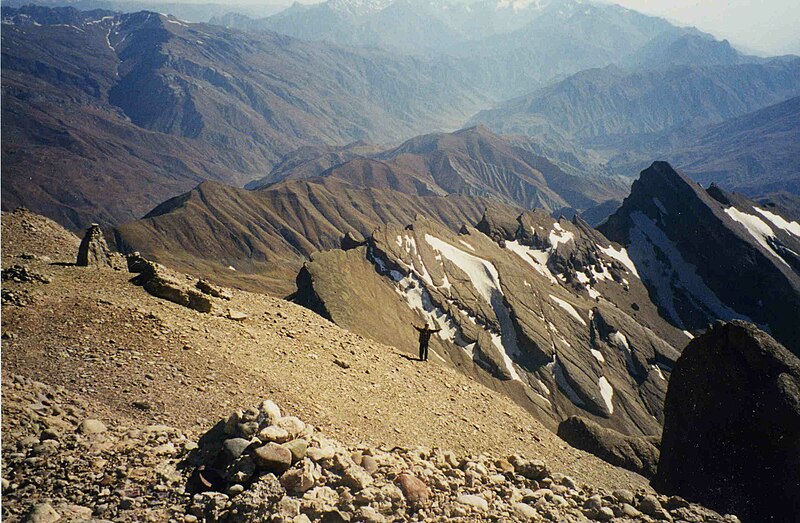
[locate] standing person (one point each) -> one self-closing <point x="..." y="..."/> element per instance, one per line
<point x="425" y="337"/>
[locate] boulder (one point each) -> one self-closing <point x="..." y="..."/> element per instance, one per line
<point x="301" y="478"/>
<point x="161" y="283"/>
<point x="635" y="453"/>
<point x="476" y="502"/>
<point x="732" y="425"/>
<point x="414" y="489"/>
<point x="94" y="251"/>
<point x="92" y="426"/>
<point x="43" y="513"/>
<point x="273" y="457"/>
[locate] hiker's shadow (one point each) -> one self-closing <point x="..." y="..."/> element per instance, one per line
<point x="406" y="356"/>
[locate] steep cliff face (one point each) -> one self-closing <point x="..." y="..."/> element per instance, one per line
<point x="707" y="255"/>
<point x="549" y="316"/>
<point x="732" y="425"/>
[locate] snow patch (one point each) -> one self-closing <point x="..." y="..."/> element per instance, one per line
<point x="468" y="246"/>
<point x="569" y="308"/>
<point x="607" y="391"/>
<point x="533" y="257"/>
<point x="757" y="229"/>
<point x="409" y="243"/>
<point x="779" y="222"/>
<point x="558" y="235"/>
<point x="482" y="273"/>
<point x="622" y="257"/>
<point x="598" y="355"/>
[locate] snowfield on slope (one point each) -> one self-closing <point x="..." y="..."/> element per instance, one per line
<point x="759" y="230"/>
<point x="778" y="221"/>
<point x="484" y="277"/>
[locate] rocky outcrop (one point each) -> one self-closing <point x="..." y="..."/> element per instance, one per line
<point x="638" y="454"/>
<point x="732" y="425"/>
<point x="94" y="251"/>
<point x="162" y="283"/>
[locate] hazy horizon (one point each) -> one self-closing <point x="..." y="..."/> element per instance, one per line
<point x="767" y="27"/>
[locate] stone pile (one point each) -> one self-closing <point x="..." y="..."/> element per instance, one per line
<point x="22" y="274"/>
<point x="258" y="465"/>
<point x="59" y="464"/>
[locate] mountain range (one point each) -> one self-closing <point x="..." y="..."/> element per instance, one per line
<point x="164" y="105"/>
<point x="688" y="114"/>
<point x="172" y="104"/>
<point x="509" y="47"/>
<point x="306" y="206"/>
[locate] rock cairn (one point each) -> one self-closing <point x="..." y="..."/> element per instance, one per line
<point x="93" y="251"/>
<point x="59" y="464"/>
<point x="258" y="465"/>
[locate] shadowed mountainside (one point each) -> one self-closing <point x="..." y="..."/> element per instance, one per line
<point x="707" y="254"/>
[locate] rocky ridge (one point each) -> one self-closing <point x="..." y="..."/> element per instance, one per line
<point x="141" y="360"/>
<point x="268" y="232"/>
<point x="541" y="310"/>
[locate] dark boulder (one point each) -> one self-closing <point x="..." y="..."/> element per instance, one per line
<point x="732" y="425"/>
<point x="639" y="454"/>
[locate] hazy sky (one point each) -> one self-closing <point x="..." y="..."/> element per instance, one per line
<point x="769" y="26"/>
<point x="763" y="26"/>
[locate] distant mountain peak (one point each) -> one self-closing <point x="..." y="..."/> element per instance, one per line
<point x="358" y="7"/>
<point x="518" y="5"/>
